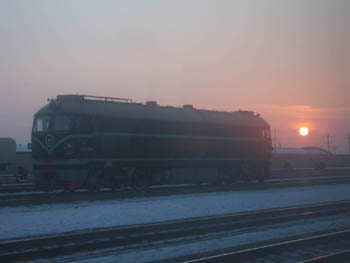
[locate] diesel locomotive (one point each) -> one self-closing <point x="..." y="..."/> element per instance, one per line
<point x="81" y="141"/>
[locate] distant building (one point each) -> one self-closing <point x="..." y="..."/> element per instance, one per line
<point x="24" y="156"/>
<point x="7" y="153"/>
<point x="302" y="151"/>
<point x="307" y="157"/>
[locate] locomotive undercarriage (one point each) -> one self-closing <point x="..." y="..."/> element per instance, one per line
<point x="98" y="175"/>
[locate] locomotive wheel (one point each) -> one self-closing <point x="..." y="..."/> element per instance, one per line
<point x="264" y="171"/>
<point x="231" y="176"/>
<point x="95" y="179"/>
<point x="119" y="184"/>
<point x="51" y="181"/>
<point x="225" y="176"/>
<point x="117" y="180"/>
<point x="140" y="178"/>
<point x="220" y="177"/>
<point x="167" y="176"/>
<point x="236" y="174"/>
<point x="248" y="172"/>
<point x="261" y="179"/>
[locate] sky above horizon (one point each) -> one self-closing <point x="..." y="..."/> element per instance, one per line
<point x="288" y="60"/>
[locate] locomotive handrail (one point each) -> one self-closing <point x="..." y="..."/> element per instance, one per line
<point x="107" y="98"/>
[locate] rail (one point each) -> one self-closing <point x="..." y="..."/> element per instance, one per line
<point x="23" y="194"/>
<point x="341" y="256"/>
<point x="122" y="237"/>
<point x="259" y="253"/>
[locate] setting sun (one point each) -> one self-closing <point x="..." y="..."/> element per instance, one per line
<point x="304" y="131"/>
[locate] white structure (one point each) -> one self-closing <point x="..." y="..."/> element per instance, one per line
<point x="304" y="150"/>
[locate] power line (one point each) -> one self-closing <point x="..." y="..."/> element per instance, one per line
<point x="328" y="144"/>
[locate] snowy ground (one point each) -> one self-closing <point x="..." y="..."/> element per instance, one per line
<point x="228" y="240"/>
<point x="22" y="221"/>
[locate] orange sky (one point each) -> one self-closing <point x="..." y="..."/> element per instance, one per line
<point x="288" y="60"/>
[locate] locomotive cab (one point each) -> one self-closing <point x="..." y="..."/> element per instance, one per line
<point x="51" y="141"/>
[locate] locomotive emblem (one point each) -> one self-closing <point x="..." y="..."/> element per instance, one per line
<point x="49" y="140"/>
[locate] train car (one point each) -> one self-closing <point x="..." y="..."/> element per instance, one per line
<point x="7" y="153"/>
<point x="81" y="141"/>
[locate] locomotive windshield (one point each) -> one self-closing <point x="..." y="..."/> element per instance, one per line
<point x="49" y="123"/>
<point x="42" y="123"/>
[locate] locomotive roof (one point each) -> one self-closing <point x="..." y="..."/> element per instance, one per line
<point x="125" y="108"/>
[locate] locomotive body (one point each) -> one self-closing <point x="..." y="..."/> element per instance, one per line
<point x="86" y="141"/>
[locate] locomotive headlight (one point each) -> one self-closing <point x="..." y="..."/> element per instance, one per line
<point x="86" y="147"/>
<point x="68" y="145"/>
<point x="68" y="148"/>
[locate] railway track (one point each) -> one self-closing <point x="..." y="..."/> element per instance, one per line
<point x="23" y="198"/>
<point x="342" y="256"/>
<point x="308" y="172"/>
<point x="98" y="242"/>
<point x="13" y="188"/>
<point x="329" y="247"/>
<point x="276" y="174"/>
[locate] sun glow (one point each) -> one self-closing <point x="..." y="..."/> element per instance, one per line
<point x="304" y="131"/>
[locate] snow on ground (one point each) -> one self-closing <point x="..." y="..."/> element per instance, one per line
<point x="23" y="221"/>
<point x="279" y="231"/>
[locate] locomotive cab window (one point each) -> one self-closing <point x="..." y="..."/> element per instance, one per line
<point x="42" y="123"/>
<point x="266" y="133"/>
<point x="64" y="123"/>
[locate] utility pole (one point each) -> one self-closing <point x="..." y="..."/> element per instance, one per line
<point x="274" y="138"/>
<point x="328" y="142"/>
<point x="349" y="143"/>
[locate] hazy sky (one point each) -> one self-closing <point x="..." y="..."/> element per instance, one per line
<point x="289" y="60"/>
